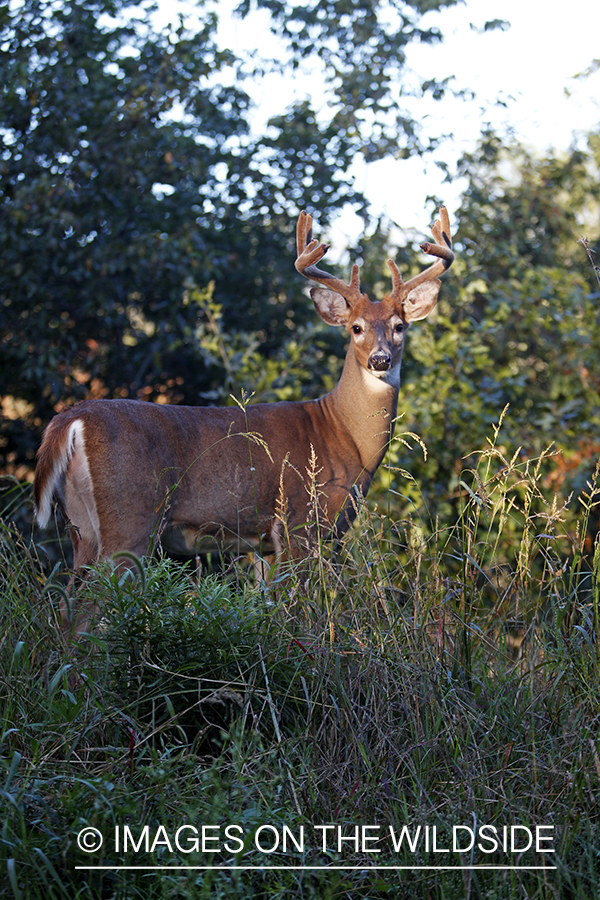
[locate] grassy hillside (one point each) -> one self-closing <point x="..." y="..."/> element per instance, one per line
<point x="437" y="677"/>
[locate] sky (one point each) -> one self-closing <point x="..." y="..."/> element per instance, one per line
<point x="524" y="77"/>
<point x="530" y="66"/>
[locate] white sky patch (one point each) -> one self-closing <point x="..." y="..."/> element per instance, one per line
<point x="521" y="77"/>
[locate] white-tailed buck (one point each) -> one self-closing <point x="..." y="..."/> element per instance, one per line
<point x="127" y="473"/>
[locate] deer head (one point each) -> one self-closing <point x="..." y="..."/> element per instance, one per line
<point x="376" y="328"/>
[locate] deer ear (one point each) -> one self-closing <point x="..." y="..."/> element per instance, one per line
<point x="420" y="301"/>
<point x="331" y="306"/>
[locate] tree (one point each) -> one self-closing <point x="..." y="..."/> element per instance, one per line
<point x="131" y="185"/>
<point x="101" y="189"/>
<point x="517" y="325"/>
<point x="359" y="46"/>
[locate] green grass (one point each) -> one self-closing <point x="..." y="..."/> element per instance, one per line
<point x="426" y="675"/>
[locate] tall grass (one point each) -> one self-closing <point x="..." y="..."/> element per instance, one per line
<point x="423" y="674"/>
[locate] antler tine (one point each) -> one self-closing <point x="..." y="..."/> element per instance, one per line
<point x="442" y="249"/>
<point x="441" y="230"/>
<point x="311" y="252"/>
<point x="303" y="231"/>
<point x="396" y="277"/>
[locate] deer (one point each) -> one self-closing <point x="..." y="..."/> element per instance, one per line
<point x="129" y="475"/>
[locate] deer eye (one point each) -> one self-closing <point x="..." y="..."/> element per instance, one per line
<point x="398" y="327"/>
<point x="356" y="329"/>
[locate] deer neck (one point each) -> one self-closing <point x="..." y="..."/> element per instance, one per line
<point x="364" y="406"/>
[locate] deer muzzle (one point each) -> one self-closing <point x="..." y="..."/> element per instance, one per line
<point x="380" y="361"/>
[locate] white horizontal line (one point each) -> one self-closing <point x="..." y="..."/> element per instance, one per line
<point x="326" y="868"/>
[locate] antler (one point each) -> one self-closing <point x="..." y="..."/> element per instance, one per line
<point x="442" y="249"/>
<point x="311" y="252"/>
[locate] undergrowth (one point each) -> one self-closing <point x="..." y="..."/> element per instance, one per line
<point x="422" y="676"/>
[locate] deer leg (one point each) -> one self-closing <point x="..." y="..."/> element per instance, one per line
<point x="79" y="615"/>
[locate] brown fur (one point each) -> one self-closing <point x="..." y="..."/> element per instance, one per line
<point x="128" y="474"/>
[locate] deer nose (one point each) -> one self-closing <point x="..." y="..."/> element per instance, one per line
<point x="381" y="361"/>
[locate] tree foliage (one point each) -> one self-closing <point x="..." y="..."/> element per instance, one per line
<point x="517" y="325"/>
<point x="360" y="47"/>
<point x="130" y="179"/>
<point x="146" y="234"/>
